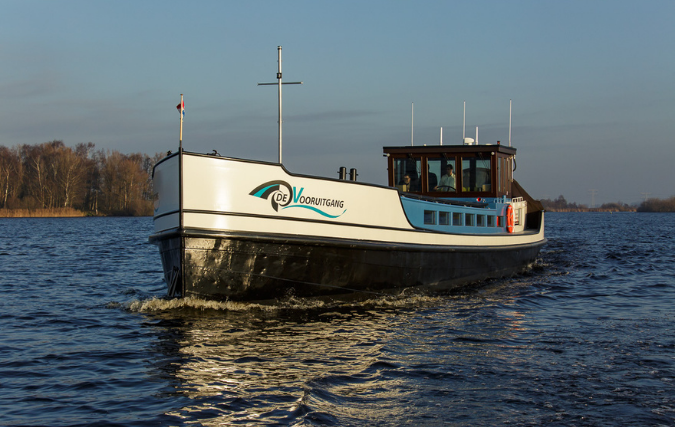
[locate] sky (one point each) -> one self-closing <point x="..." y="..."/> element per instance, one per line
<point x="592" y="83"/>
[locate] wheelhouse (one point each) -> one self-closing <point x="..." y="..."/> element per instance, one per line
<point x="452" y="171"/>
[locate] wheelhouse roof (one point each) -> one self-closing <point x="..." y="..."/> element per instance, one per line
<point x="449" y="149"/>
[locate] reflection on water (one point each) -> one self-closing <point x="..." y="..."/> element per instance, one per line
<point x="317" y="363"/>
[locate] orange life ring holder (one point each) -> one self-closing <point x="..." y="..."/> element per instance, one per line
<point x="509" y="219"/>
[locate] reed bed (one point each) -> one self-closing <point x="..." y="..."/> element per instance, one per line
<point x="40" y="213"/>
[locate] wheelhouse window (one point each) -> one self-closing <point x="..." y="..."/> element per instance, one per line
<point x="476" y="174"/>
<point x="407" y="174"/>
<point x="441" y="175"/>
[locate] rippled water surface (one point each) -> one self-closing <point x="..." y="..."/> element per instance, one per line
<point x="585" y="338"/>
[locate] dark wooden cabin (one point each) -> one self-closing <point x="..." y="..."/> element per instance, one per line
<point x="479" y="170"/>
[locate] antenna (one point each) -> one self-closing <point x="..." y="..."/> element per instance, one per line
<point x="510" y="105"/>
<point x="412" y="124"/>
<point x="464" y="124"/>
<point x="279" y="83"/>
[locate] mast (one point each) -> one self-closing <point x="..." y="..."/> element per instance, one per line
<point x="279" y="83"/>
<point x="181" y="220"/>
<point x="181" y="111"/>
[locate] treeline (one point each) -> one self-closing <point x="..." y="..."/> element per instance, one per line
<point x="562" y="205"/>
<point x="98" y="182"/>
<point x="650" y="205"/>
<point x="657" y="205"/>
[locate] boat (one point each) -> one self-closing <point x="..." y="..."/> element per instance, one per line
<point x="240" y="229"/>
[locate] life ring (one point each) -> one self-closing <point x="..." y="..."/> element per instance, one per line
<point x="509" y="219"/>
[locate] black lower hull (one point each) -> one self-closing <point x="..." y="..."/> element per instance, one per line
<point x="264" y="268"/>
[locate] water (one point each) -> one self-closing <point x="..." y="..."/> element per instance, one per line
<point x="585" y="339"/>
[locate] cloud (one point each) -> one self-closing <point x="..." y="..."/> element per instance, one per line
<point x="40" y="85"/>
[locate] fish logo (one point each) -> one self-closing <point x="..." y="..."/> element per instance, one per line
<point x="278" y="192"/>
<point x="281" y="194"/>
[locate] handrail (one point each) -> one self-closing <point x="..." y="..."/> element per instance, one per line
<point x="445" y="201"/>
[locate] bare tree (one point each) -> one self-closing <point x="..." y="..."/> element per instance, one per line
<point x="51" y="175"/>
<point x="11" y="174"/>
<point x="69" y="175"/>
<point x="124" y="184"/>
<point x="35" y="173"/>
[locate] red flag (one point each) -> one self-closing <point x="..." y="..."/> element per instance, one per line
<point x="181" y="107"/>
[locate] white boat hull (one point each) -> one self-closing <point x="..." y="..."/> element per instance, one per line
<point x="238" y="229"/>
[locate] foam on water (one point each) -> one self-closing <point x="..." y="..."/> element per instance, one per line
<point x="156" y="304"/>
<point x="162" y="304"/>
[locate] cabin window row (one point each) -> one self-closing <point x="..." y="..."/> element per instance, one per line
<point x="474" y="174"/>
<point x="460" y="219"/>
